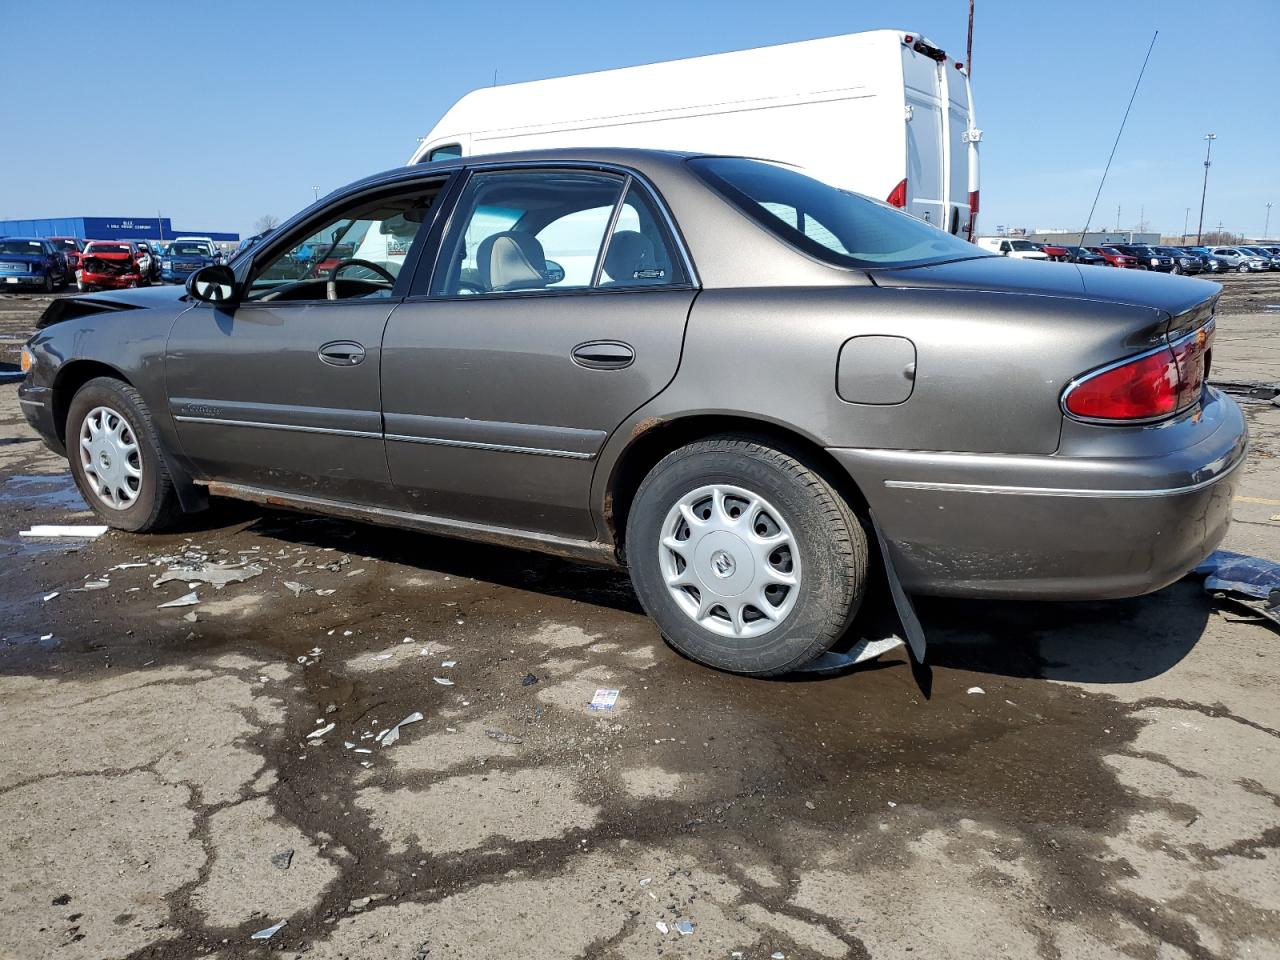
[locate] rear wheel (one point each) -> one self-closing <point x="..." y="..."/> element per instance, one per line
<point x="747" y="559"/>
<point x="116" y="458"/>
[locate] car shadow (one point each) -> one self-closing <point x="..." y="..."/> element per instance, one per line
<point x="1112" y="641"/>
<point x="1115" y="641"/>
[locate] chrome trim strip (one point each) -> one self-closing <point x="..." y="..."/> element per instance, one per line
<point x="32" y="403"/>
<point x="1060" y="491"/>
<point x="290" y="427"/>
<point x="499" y="447"/>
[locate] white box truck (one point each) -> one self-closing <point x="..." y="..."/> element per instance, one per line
<point x="885" y="113"/>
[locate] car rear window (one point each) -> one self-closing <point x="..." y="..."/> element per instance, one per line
<point x="21" y="247"/>
<point x="842" y="228"/>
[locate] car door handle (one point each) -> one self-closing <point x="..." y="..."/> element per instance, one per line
<point x="341" y="353"/>
<point x="604" y="354"/>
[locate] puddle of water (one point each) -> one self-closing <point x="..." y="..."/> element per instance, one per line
<point x="28" y="641"/>
<point x="58" y="490"/>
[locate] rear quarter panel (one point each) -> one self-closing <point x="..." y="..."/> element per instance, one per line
<point x="989" y="373"/>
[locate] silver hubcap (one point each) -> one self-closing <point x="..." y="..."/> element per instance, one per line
<point x="111" y="458"/>
<point x="730" y="561"/>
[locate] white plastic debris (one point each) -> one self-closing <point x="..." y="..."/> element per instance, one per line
<point x="382" y="656"/>
<point x="604" y="699"/>
<point x="449" y="663"/>
<point x="777" y="955"/>
<point x="96" y="584"/>
<point x="185" y="600"/>
<point x="684" y="927"/>
<point x="662" y="927"/>
<point x="215" y="574"/>
<point x="47" y="636"/>
<point x="86" y="531"/>
<point x="975" y="690"/>
<point x="321" y="732"/>
<point x="295" y="587"/>
<point x="892" y="804"/>
<point x="269" y="932"/>
<point x="443" y="681"/>
<point x="325" y="593"/>
<point x="646" y="881"/>
<point x="50" y="596"/>
<point x="128" y="566"/>
<point x="392" y="735"/>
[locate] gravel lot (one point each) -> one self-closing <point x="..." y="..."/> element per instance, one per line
<point x="1114" y="791"/>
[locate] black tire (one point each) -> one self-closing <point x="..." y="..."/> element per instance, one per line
<point x="831" y="542"/>
<point x="47" y="287"/>
<point x="156" y="506"/>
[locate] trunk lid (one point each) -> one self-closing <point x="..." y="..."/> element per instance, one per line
<point x="1172" y="295"/>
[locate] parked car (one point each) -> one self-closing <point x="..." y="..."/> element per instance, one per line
<point x="1014" y="247"/>
<point x="1183" y="262"/>
<point x="1241" y="260"/>
<point x="32" y="262"/>
<point x="1210" y="263"/>
<point x="562" y="365"/>
<point x="1273" y="260"/>
<point x="182" y="258"/>
<point x="1085" y="256"/>
<point x="1147" y="258"/>
<point x="1114" y="258"/>
<point x="152" y="258"/>
<point x="71" y="248"/>
<point x="1055" y="251"/>
<point x="113" y="264"/>
<point x="765" y="102"/>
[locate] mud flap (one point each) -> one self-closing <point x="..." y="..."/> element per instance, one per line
<point x="906" y="612"/>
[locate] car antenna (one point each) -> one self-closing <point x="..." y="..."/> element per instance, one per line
<point x="1119" y="132"/>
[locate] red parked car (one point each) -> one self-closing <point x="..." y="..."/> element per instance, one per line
<point x="72" y="248"/>
<point x="1054" y="251"/>
<point x="111" y="264"/>
<point x="1115" y="258"/>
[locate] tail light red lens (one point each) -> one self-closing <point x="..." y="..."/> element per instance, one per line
<point x="898" y="196"/>
<point x="1148" y="387"/>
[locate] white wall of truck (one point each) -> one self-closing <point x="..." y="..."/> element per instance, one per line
<point x="864" y="111"/>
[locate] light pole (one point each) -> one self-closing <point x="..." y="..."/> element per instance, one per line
<point x="1186" y="217"/>
<point x="1267" y="226"/>
<point x="316" y="190"/>
<point x="1209" y="137"/>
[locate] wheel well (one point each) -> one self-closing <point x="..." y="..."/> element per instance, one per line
<point x="649" y="448"/>
<point x="70" y="379"/>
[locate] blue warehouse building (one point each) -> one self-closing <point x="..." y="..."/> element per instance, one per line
<point x="108" y="228"/>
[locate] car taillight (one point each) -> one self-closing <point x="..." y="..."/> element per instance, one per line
<point x="1150" y="386"/>
<point x="898" y="196"/>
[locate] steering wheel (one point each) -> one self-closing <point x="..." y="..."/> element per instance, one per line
<point x="331" y="287"/>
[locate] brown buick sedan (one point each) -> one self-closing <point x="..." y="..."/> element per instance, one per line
<point x="736" y="380"/>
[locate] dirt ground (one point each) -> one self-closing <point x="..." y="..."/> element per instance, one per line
<point x="170" y="783"/>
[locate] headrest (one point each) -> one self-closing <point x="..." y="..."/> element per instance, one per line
<point x="512" y="260"/>
<point x="629" y="253"/>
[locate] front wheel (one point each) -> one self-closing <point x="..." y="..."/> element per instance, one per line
<point x="1243" y="268"/>
<point x="747" y="558"/>
<point x="116" y="458"/>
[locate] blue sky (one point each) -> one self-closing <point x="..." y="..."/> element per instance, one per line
<point x="216" y="113"/>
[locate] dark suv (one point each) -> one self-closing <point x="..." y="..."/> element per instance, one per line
<point x="1147" y="258"/>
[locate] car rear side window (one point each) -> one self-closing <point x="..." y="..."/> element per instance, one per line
<point x="842" y="228"/>
<point x="534" y="231"/>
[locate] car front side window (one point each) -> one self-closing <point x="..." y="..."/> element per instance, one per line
<point x="355" y="253"/>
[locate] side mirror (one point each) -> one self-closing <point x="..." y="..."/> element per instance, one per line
<point x="553" y="272"/>
<point x="214" y="284"/>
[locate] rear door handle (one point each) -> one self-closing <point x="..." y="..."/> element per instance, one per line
<point x="604" y="355"/>
<point x="342" y="353"/>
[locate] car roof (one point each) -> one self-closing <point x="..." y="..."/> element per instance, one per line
<point x="639" y="159"/>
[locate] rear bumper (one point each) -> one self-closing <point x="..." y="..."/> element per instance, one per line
<point x="110" y="281"/>
<point x="1056" y="527"/>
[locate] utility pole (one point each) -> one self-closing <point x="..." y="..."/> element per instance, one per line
<point x="315" y="189"/>
<point x="1117" y="218"/>
<point x="1267" y="226"/>
<point x="1209" y="138"/>
<point x="1186" y="218"/>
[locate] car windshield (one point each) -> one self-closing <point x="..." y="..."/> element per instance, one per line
<point x="13" y="247"/>
<point x="1022" y="245"/>
<point x="177" y="249"/>
<point x="107" y="248"/>
<point x="842" y="228"/>
<point x="67" y="244"/>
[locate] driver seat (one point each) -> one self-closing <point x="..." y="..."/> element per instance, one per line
<point x="511" y="260"/>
